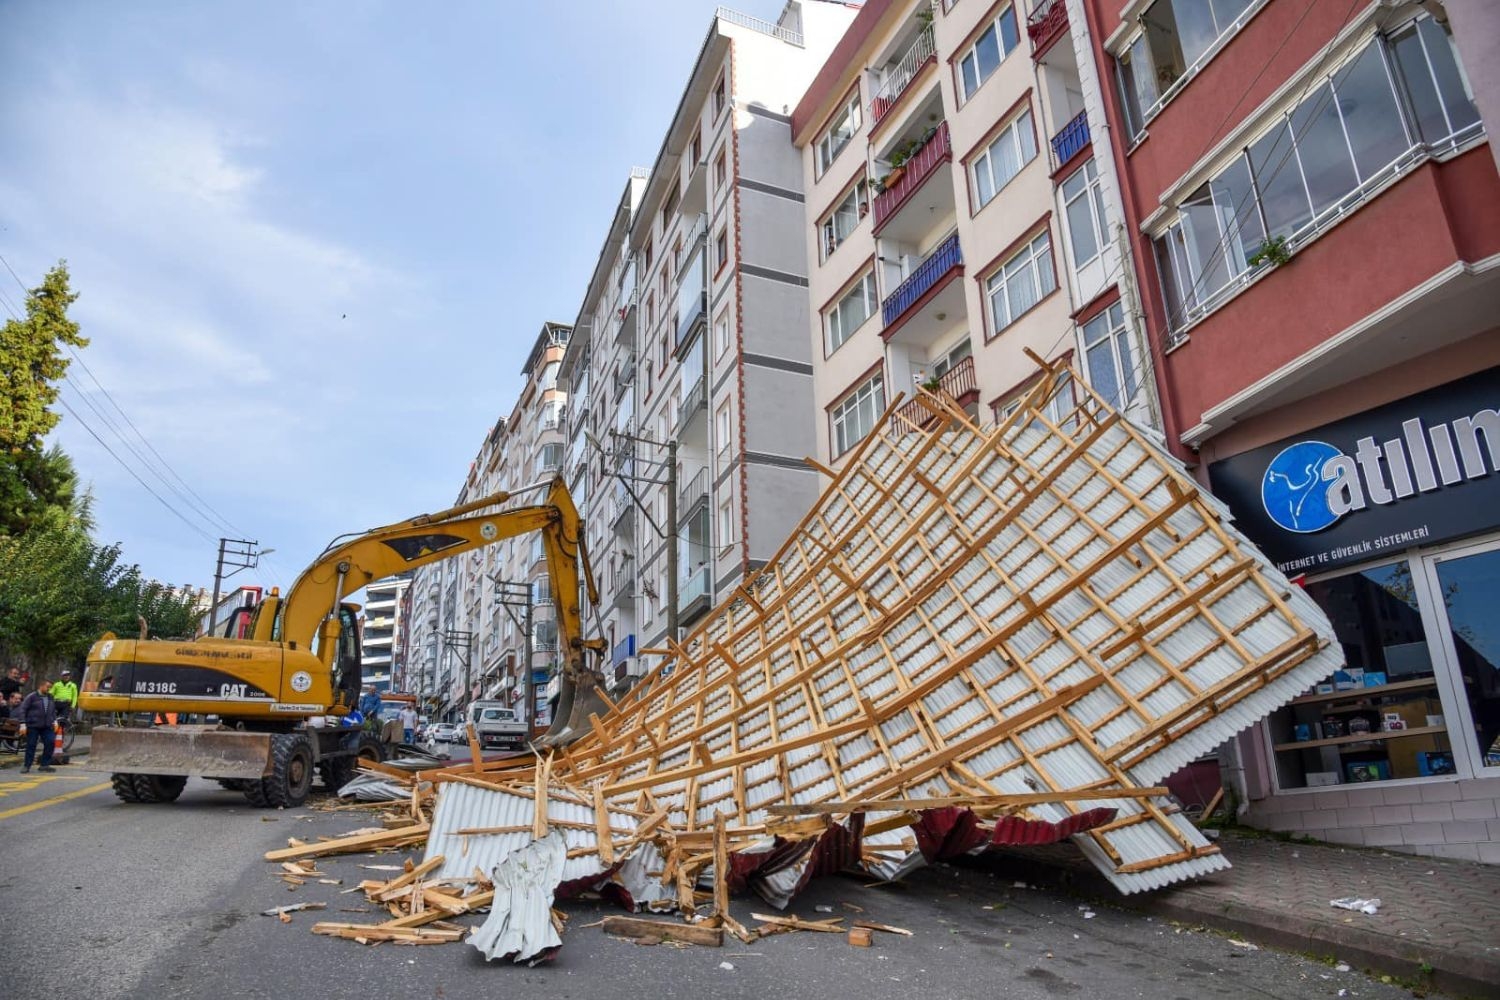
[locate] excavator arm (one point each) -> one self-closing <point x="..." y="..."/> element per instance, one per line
<point x="310" y="608"/>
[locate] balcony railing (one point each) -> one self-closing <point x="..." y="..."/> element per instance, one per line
<point x="914" y="173"/>
<point x="695" y="490"/>
<point x="1046" y="21"/>
<point x="623" y="650"/>
<point x="694" y="312"/>
<point x="756" y="24"/>
<point x="625" y="376"/>
<point x="1071" y="138"/>
<point x="698" y="231"/>
<point x="956" y="382"/>
<point x="899" y="78"/>
<point x="695" y="399"/>
<point x="938" y="263"/>
<point x="694" y="586"/>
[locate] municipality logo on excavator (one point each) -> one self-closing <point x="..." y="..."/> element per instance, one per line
<point x="1311" y="485"/>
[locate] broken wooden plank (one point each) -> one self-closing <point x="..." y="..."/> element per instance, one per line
<point x="661" y="930"/>
<point x="873" y="926"/>
<point x="348" y="845"/>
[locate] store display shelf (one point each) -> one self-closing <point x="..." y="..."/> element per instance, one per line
<point x="1365" y="692"/>
<point x="1361" y="737"/>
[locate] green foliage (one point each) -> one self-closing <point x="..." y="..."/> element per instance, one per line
<point x="33" y="479"/>
<point x="59" y="591"/>
<point x="1273" y="251"/>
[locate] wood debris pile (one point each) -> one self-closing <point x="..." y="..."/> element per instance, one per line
<point x="977" y="637"/>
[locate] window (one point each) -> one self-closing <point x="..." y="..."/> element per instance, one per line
<point x="722" y="426"/>
<point x="840" y="131"/>
<point x="551" y="457"/>
<point x="1021" y="282"/>
<point x="1107" y="355"/>
<point x="1177" y="35"/>
<point x="720" y="95"/>
<point x="721" y="249"/>
<point x="726" y="525"/>
<point x="646" y="267"/>
<point x="1012" y="149"/>
<point x="721" y="335"/>
<point x="1083" y="203"/>
<point x="856" y="413"/>
<point x="839" y="223"/>
<point x="858" y="303"/>
<point x="721" y="170"/>
<point x="695" y="155"/>
<point x="670" y="205"/>
<point x="988" y="51"/>
<point x="1313" y="164"/>
<point x="650" y="310"/>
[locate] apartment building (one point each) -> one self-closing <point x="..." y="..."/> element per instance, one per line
<point x="958" y="216"/>
<point x="1312" y="197"/>
<point x="380" y="629"/>
<point x="690" y="367"/>
<point x="483" y="623"/>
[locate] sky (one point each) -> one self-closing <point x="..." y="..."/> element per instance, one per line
<point x="313" y="242"/>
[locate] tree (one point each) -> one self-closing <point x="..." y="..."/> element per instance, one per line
<point x="34" y="479"/>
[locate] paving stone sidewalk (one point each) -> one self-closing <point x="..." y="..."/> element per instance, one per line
<point x="1434" y="913"/>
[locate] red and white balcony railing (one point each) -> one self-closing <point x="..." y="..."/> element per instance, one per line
<point x="914" y="172"/>
<point x="1047" y="20"/>
<point x="900" y="77"/>
<point x="956" y="383"/>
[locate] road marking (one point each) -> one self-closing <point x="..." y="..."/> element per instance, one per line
<point x="79" y="793"/>
<point x="22" y="784"/>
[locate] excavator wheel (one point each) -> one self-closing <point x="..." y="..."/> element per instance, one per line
<point x="291" y="771"/>
<point x="337" y="772"/>
<point x="158" y="787"/>
<point x="232" y="784"/>
<point x="124" y="786"/>
<point x="255" y="792"/>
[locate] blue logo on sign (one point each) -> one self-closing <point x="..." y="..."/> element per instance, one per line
<point x="1293" y="491"/>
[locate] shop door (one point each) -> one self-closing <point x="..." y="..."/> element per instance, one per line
<point x="1466" y="583"/>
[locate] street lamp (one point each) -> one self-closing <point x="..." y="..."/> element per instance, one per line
<point x="238" y="554"/>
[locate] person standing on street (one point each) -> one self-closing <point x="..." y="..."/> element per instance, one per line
<point x="409" y="723"/>
<point x="64" y="697"/>
<point x="10" y="684"/>
<point x="369" y="709"/>
<point x="39" y="716"/>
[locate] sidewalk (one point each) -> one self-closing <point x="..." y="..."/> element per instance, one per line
<point x="1445" y="914"/>
<point x="80" y="748"/>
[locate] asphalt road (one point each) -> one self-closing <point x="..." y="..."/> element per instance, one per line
<point x="115" y="900"/>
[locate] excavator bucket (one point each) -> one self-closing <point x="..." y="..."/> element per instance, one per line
<point x="202" y="751"/>
<point x="576" y="701"/>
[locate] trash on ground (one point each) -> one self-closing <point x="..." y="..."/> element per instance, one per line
<point x="1370" y="906"/>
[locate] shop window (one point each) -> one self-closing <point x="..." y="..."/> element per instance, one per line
<point x="1380" y="718"/>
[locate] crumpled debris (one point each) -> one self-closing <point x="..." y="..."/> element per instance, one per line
<point x="520" y="922"/>
<point x="1369" y="906"/>
<point x="375" y="788"/>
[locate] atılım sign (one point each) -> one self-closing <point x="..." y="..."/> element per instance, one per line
<point x="1420" y="470"/>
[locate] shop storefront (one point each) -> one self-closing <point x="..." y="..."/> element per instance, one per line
<point x="1391" y="520"/>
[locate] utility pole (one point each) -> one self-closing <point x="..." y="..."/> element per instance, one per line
<point x="238" y="554"/>
<point x="460" y="642"/>
<point x="513" y="594"/>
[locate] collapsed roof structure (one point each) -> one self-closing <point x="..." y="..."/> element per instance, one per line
<point x="977" y="636"/>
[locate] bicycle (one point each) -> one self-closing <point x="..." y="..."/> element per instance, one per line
<point x="13" y="739"/>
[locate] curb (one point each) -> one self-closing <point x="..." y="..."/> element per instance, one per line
<point x="1457" y="974"/>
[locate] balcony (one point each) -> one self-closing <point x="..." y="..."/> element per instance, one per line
<point x="622" y="651"/>
<point x="625" y="316"/>
<point x="900" y="76"/>
<point x="958" y="383"/>
<point x="788" y="35"/>
<point x="1071" y="139"/>
<point x="695" y="235"/>
<point x="623" y="591"/>
<point x="1048" y="20"/>
<point x="693" y="314"/>
<point x="692" y="494"/>
<point x="940" y="266"/>
<point x="625" y="375"/>
<point x="914" y="172"/>
<point x="694" y="401"/>
<point x="694" y="594"/>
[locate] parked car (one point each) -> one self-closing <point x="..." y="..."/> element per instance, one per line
<point x="496" y="725"/>
<point x="445" y="732"/>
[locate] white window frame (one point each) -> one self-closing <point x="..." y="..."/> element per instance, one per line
<point x="1020" y="140"/>
<point x="1092" y="194"/>
<point x="721" y="335"/>
<point x="723" y="427"/>
<point x="855" y="202"/>
<point x="850" y="117"/>
<point x="1109" y="329"/>
<point x="971" y="53"/>
<point x="834" y="334"/>
<point x="1036" y="251"/>
<point x="841" y="437"/>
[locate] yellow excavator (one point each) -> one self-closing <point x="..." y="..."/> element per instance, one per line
<point x="299" y="660"/>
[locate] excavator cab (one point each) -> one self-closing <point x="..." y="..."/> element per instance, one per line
<point x="346" y="660"/>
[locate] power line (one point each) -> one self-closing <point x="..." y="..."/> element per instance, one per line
<point x="205" y="536"/>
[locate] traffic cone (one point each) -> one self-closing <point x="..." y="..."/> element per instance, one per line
<point x="58" y="757"/>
